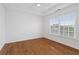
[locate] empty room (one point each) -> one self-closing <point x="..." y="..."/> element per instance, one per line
<point x="39" y="28"/>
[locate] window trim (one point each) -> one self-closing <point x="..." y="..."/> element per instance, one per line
<point x="68" y="37"/>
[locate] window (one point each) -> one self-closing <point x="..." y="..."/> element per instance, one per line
<point x="63" y="25"/>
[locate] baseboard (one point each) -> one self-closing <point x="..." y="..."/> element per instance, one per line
<point x="49" y="40"/>
<point x="64" y="44"/>
<point x="2" y="47"/>
<point x="40" y="38"/>
<point x="46" y="39"/>
<point x="25" y="40"/>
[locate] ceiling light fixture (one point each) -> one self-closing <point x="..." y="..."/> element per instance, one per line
<point x="38" y="5"/>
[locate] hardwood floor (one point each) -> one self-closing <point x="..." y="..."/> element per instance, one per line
<point x="40" y="46"/>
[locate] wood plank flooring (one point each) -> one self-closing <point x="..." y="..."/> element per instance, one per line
<point x="40" y="46"/>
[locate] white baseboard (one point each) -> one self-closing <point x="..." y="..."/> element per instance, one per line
<point x="23" y="39"/>
<point x="2" y="46"/>
<point x="68" y="42"/>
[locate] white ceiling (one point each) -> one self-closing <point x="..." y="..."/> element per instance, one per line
<point x="32" y="8"/>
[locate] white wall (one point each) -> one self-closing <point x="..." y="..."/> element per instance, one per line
<point x="22" y="26"/>
<point x="70" y="42"/>
<point x="2" y="25"/>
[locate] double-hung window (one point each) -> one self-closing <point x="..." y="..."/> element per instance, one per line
<point x="63" y="25"/>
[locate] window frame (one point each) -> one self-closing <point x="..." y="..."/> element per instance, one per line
<point x="68" y="30"/>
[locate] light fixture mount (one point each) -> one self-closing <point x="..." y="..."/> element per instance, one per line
<point x="38" y="5"/>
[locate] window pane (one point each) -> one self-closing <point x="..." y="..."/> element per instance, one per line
<point x="65" y="30"/>
<point x="71" y="29"/>
<point x="52" y="29"/>
<point x="61" y="28"/>
<point x="63" y="25"/>
<point x="71" y="34"/>
<point x="67" y="24"/>
<point x="54" y="26"/>
<point x="66" y="33"/>
<point x="61" y="32"/>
